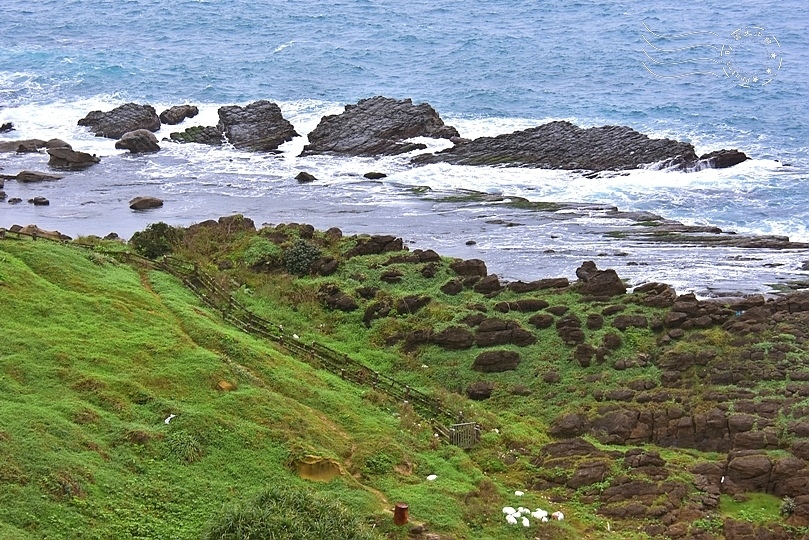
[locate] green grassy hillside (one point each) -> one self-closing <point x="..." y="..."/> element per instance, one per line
<point x="625" y="425"/>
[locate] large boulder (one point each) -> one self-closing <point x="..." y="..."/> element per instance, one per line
<point x="178" y="113"/>
<point x="562" y="145"/>
<point x="496" y="361"/>
<point x="145" y="203"/>
<point x="65" y="158"/>
<point x="138" y="141"/>
<point x="601" y="283"/>
<point x="8" y="126"/>
<point x="376" y="126"/>
<point x="115" y="123"/>
<point x="259" y="126"/>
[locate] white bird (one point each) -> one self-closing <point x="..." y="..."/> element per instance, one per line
<point x="168" y="419"/>
<point x="295" y="336"/>
<point x="525" y="522"/>
<point x="544" y="520"/>
<point x="511" y="519"/>
<point x="539" y="514"/>
<point x="508" y="510"/>
<point x="559" y="516"/>
<point x="519" y="493"/>
<point x="432" y="477"/>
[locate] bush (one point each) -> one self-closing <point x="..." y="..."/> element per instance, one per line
<point x="289" y="513"/>
<point x="299" y="258"/>
<point x="156" y="240"/>
<point x="261" y="252"/>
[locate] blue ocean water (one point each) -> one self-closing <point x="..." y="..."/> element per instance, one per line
<point x="695" y="72"/>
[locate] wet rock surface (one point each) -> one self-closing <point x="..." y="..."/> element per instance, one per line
<point x="138" y="141"/>
<point x="259" y="127"/>
<point x="176" y="114"/>
<point x="115" y="123"/>
<point x="562" y="145"/>
<point x="376" y="126"/>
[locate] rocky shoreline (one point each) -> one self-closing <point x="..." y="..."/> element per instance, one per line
<point x="382" y="126"/>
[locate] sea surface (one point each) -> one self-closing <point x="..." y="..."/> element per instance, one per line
<point x="718" y="74"/>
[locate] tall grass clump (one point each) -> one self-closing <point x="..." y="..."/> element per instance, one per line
<point x="291" y="513"/>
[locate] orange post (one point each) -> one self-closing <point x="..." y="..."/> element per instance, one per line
<point x="400" y="514"/>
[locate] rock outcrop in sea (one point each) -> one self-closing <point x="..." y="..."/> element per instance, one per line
<point x="115" y="123"/>
<point x="259" y="126"/>
<point x="377" y="126"/>
<point x="138" y="141"/>
<point x="178" y="113"/>
<point x="562" y="145"/>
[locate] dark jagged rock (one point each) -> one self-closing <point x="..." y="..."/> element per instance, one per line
<point x="39" y="201"/>
<point x="8" y="126"/>
<point x="145" y="203"/>
<point x="454" y="338"/>
<point x="375" y="245"/>
<point x="304" y="177"/>
<point x="548" y="283"/>
<point x="495" y="331"/>
<point x="562" y="145"/>
<point x="721" y="159"/>
<point x="376" y="126"/>
<point x="480" y="390"/>
<point x="24" y="146"/>
<point x="599" y="283"/>
<point x="569" y="330"/>
<point x="469" y="267"/>
<point x="488" y="284"/>
<point x="14" y="200"/>
<point x="115" y="123"/>
<point x="586" y="271"/>
<point x="3" y="195"/>
<point x="138" y="142"/>
<point x="65" y="158"/>
<point x="452" y="287"/>
<point x="374" y="175"/>
<point x="496" y="361"/>
<point x="178" y="113"/>
<point x="30" y="176"/>
<point x="334" y="298"/>
<point x="259" y="126"/>
<point x="541" y="320"/>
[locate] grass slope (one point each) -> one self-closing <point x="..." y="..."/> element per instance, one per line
<point x="95" y="356"/>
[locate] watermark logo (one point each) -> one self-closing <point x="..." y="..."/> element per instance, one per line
<point x="748" y="56"/>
